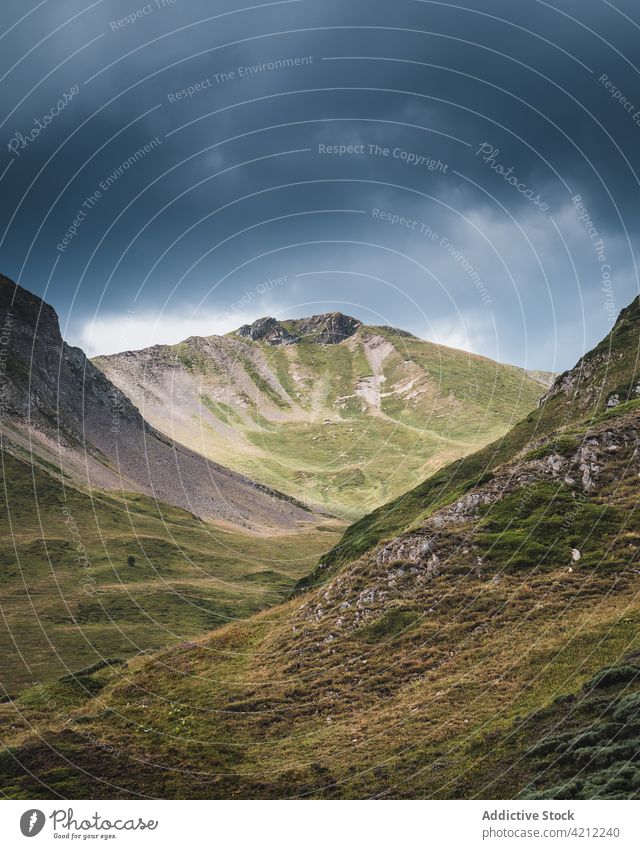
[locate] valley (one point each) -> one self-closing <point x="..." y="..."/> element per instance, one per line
<point x="89" y="575"/>
<point x="476" y="637"/>
<point x="126" y="531"/>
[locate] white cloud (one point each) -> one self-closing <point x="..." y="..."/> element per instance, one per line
<point x="449" y="333"/>
<point x="132" y="332"/>
<point x="470" y="332"/>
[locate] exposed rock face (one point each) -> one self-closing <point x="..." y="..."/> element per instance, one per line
<point x="546" y="378"/>
<point x="326" y="329"/>
<point x="412" y="548"/>
<point x="267" y="330"/>
<point x="48" y="383"/>
<point x="579" y="384"/>
<point x="58" y="405"/>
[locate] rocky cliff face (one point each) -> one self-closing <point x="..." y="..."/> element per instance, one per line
<point x="267" y="330"/>
<point x="58" y="405"/>
<point x="328" y="329"/>
<point x="49" y="384"/>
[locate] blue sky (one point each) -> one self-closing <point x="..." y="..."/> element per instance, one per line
<point x="411" y="163"/>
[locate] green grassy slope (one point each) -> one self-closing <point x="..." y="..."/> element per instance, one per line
<point x="583" y="745"/>
<point x="425" y="697"/>
<point x="345" y="426"/>
<point x="610" y="369"/>
<point x="438" y="654"/>
<point x="70" y="596"/>
<point x="404" y="675"/>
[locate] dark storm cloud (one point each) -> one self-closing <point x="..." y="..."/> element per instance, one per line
<point x="236" y="190"/>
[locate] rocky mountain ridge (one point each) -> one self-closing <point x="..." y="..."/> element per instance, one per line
<point x="608" y="373"/>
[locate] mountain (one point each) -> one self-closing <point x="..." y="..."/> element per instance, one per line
<point x="476" y="638"/>
<point x="340" y="415"/>
<point x="606" y="378"/>
<point x="326" y="329"/>
<point x="60" y="407"/>
<point x="102" y="553"/>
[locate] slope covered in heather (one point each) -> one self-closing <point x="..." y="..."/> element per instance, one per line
<point x="464" y="647"/>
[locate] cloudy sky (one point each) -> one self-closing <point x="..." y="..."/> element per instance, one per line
<point x="469" y="172"/>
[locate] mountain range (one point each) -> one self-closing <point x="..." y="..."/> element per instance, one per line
<point x="475" y="636"/>
<point x="126" y="529"/>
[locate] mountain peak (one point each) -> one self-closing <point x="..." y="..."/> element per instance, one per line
<point x="325" y="329"/>
<point x="267" y="329"/>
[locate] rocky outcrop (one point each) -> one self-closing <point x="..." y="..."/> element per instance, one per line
<point x="326" y="329"/>
<point x="403" y="570"/>
<point x="606" y="375"/>
<point x="267" y="330"/>
<point x="410" y="549"/>
<point x="48" y="383"/>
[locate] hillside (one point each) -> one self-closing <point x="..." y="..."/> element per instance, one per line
<point x="604" y="379"/>
<point x="335" y="413"/>
<point x="58" y="406"/>
<point x="71" y="596"/>
<point x="102" y="552"/>
<point x="476" y="638"/>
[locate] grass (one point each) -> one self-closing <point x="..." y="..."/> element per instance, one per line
<point x="622" y="409"/>
<point x="566" y="444"/>
<point x="543" y="524"/>
<point x="584" y="745"/>
<point x="339" y="462"/>
<point x="70" y="597"/>
<point x="380" y="681"/>
<point x="222" y="411"/>
<point x="412" y="723"/>
<point x="298" y="421"/>
<point x="467" y="394"/>
<point x="508" y="671"/>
